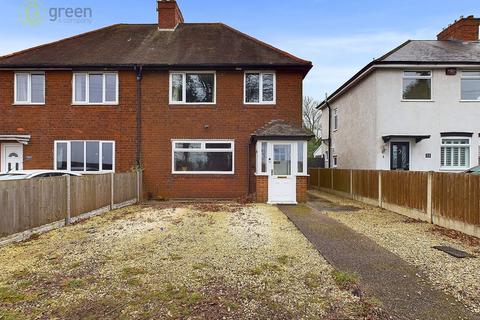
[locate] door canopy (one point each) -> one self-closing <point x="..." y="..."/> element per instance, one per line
<point x="281" y="130"/>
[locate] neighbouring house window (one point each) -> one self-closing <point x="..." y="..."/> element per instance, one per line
<point x="455" y="153"/>
<point x="263" y="158"/>
<point x="29" y="88"/>
<point x="335" y="161"/>
<point x="85" y="156"/>
<point x="95" y="88"/>
<point x="335" y="119"/>
<point x="192" y="88"/>
<point x="417" y="85"/>
<point x="470" y="84"/>
<point x="260" y="88"/>
<point x="301" y="157"/>
<point x="203" y="157"/>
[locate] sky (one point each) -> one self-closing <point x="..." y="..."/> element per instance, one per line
<point x="338" y="36"/>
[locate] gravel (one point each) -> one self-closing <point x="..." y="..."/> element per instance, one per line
<point x="413" y="242"/>
<point x="223" y="261"/>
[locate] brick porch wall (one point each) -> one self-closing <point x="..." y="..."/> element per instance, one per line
<point x="302" y="183"/>
<point x="262" y="188"/>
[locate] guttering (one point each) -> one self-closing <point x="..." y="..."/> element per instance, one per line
<point x="138" y="155"/>
<point x="329" y="131"/>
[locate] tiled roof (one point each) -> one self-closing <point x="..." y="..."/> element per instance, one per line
<point x="281" y="129"/>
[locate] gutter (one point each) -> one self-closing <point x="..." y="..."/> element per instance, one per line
<point x="138" y="147"/>
<point x="329" y="131"/>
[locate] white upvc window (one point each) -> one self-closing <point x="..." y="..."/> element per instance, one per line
<point x="417" y="85"/>
<point x="455" y="153"/>
<point x="29" y="88"/>
<point x="95" y="88"/>
<point x="196" y="87"/>
<point x="260" y="87"/>
<point x="335" y="161"/>
<point x="335" y="119"/>
<point x="84" y="156"/>
<point x="203" y="156"/>
<point x="298" y="157"/>
<point x="470" y="85"/>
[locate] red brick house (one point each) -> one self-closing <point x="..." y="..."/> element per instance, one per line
<point x="205" y="110"/>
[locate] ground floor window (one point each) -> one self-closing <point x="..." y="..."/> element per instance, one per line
<point x="85" y="156"/>
<point x="203" y="157"/>
<point x="455" y="153"/>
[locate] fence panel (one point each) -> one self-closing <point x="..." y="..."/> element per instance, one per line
<point x="27" y="204"/>
<point x="125" y="187"/>
<point x="365" y="183"/>
<point x="341" y="180"/>
<point x="405" y="188"/>
<point x="313" y="178"/>
<point x="90" y="193"/>
<point x="456" y="197"/>
<point x="325" y="178"/>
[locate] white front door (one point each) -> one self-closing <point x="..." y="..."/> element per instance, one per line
<point x="12" y="157"/>
<point x="281" y="181"/>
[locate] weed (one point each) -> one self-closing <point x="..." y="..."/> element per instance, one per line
<point x="283" y="259"/>
<point x="344" y="280"/>
<point x="11" y="296"/>
<point x="312" y="280"/>
<point x="133" y="271"/>
<point x="199" y="266"/>
<point x="74" y="283"/>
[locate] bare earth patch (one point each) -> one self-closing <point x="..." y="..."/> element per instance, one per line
<point x="413" y="241"/>
<point x="164" y="260"/>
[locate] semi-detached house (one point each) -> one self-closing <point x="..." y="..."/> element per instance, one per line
<point x="205" y="110"/>
<point x="415" y="108"/>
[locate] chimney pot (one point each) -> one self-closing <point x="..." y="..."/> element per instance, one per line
<point x="464" y="29"/>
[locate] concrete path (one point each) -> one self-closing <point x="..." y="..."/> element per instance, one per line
<point x="404" y="295"/>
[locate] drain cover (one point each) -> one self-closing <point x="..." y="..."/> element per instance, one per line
<point x="453" y="252"/>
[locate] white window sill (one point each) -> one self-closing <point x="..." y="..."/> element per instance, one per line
<point x="417" y="100"/>
<point x="457" y="169"/>
<point x="190" y="104"/>
<point x="203" y="173"/>
<point x="250" y="104"/>
<point x="469" y="100"/>
<point x="27" y="104"/>
<point x="94" y="172"/>
<point x="77" y="104"/>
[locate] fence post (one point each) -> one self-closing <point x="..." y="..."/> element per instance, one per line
<point x="429" y="196"/>
<point x="112" y="188"/>
<point x="331" y="175"/>
<point x="69" y="201"/>
<point x="318" y="178"/>
<point x="351" y="182"/>
<point x="138" y="186"/>
<point x="380" y="188"/>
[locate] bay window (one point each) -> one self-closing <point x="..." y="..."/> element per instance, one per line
<point x="192" y="87"/>
<point x="455" y="154"/>
<point x="260" y="88"/>
<point x="470" y="86"/>
<point x="95" y="88"/>
<point x="29" y="88"/>
<point x="417" y="85"/>
<point x="202" y="157"/>
<point x="85" y="156"/>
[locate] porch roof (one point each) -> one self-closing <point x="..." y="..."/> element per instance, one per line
<point x="23" y="139"/>
<point x="281" y="130"/>
<point x="417" y="138"/>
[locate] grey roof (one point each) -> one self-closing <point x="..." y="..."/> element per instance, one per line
<point x="428" y="51"/>
<point x="281" y="129"/>
<point x="190" y="44"/>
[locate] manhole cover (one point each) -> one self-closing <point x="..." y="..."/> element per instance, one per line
<point x="454" y="252"/>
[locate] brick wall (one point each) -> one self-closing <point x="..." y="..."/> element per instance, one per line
<point x="302" y="185"/>
<point x="262" y="188"/>
<point x="465" y="29"/>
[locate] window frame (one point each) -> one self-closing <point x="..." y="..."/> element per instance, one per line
<point x="335" y="161"/>
<point x="87" y="89"/>
<point x="462" y="77"/>
<point x="69" y="155"/>
<point x="335" y="119"/>
<point x="417" y="77"/>
<point x="260" y="97"/>
<point x="184" y="88"/>
<point x="29" y="88"/>
<point x="203" y="148"/>
<point x="469" y="146"/>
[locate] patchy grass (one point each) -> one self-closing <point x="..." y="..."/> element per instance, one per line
<point x="173" y="261"/>
<point x="345" y="280"/>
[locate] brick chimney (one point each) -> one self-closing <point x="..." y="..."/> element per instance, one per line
<point x="169" y="14"/>
<point x="464" y="29"/>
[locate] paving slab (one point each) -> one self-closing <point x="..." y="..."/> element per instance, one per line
<point x="403" y="289"/>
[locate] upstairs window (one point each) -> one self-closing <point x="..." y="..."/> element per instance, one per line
<point x="417" y="85"/>
<point x="470" y="85"/>
<point x="30" y="88"/>
<point x="260" y="88"/>
<point x="192" y="88"/>
<point x="335" y="119"/>
<point x="455" y="154"/>
<point x="95" y="88"/>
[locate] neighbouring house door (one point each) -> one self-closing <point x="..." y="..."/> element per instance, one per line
<point x="400" y="156"/>
<point x="12" y="157"/>
<point x="282" y="183"/>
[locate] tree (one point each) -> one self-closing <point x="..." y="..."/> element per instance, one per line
<point x="311" y="116"/>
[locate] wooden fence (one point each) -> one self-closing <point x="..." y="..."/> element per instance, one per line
<point x="449" y="200"/>
<point x="37" y="205"/>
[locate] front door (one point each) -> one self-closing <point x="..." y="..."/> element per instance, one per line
<point x="12" y="157"/>
<point x="400" y="156"/>
<point x="281" y="182"/>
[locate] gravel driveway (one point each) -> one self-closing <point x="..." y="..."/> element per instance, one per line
<point x="167" y="260"/>
<point x="413" y="241"/>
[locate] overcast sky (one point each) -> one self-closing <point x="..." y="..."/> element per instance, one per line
<point x="339" y="37"/>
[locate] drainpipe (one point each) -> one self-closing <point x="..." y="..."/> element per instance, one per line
<point x="138" y="157"/>
<point x="329" y="131"/>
